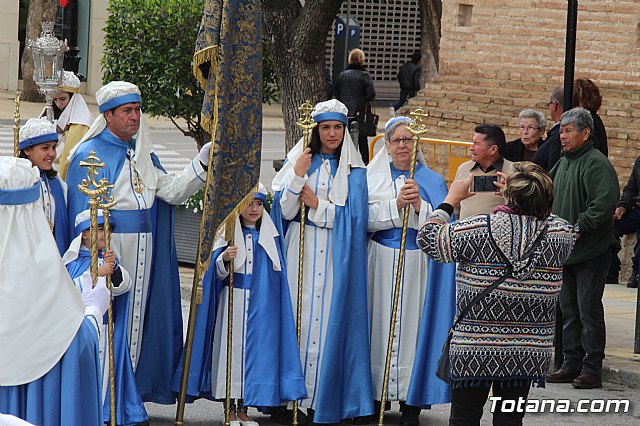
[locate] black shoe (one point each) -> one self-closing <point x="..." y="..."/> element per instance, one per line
<point x="633" y="282"/>
<point x="284" y="417"/>
<point x="410" y="419"/>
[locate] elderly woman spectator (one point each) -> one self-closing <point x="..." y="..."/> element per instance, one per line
<point x="532" y="128"/>
<point x="589" y="98"/>
<point x="354" y="88"/>
<point x="505" y="340"/>
<point x="427" y="294"/>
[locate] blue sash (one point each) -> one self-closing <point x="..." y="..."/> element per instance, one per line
<point x="14" y="197"/>
<point x="132" y="221"/>
<point x="391" y="238"/>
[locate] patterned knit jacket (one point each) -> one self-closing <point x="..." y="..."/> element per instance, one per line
<point x="507" y="336"/>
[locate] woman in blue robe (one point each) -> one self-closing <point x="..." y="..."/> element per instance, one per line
<point x="330" y="179"/>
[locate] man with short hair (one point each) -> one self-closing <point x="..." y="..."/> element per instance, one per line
<point x="550" y="152"/>
<point x="586" y="194"/>
<point x="487" y="159"/>
<point x="144" y="235"/>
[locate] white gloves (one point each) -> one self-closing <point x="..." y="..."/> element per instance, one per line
<point x="97" y="296"/>
<point x="203" y="156"/>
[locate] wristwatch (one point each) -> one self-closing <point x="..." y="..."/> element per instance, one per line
<point x="576" y="227"/>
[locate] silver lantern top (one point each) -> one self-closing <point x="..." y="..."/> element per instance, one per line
<point x="48" y="57"/>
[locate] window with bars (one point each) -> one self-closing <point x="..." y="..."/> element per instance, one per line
<point x="389" y="34"/>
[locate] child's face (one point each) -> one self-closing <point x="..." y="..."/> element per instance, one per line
<point x="86" y="238"/>
<point x="252" y="213"/>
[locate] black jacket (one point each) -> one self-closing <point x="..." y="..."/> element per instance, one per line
<point x="354" y="88"/>
<point x="513" y="150"/>
<point x="409" y="76"/>
<point x="550" y="152"/>
<point x="632" y="188"/>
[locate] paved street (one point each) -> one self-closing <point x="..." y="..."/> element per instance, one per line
<point x="204" y="412"/>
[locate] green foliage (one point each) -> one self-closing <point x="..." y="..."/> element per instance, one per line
<point x="195" y="201"/>
<point x="270" y="88"/>
<point x="151" y="43"/>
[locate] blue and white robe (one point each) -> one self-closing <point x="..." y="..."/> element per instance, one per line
<point x="53" y="193"/>
<point x="69" y="394"/>
<point x="334" y="344"/>
<point x="266" y="368"/>
<point x="144" y="239"/>
<point x="129" y="406"/>
<point x="427" y="289"/>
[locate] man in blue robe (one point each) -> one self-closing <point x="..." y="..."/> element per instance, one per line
<point x="143" y="191"/>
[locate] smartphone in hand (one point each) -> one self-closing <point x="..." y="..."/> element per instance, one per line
<point x="484" y="183"/>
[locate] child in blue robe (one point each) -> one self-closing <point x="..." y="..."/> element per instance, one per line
<point x="129" y="406"/>
<point x="265" y="368"/>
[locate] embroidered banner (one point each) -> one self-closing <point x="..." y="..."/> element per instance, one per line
<point x="228" y="65"/>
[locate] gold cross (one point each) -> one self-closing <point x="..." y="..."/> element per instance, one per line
<point x="138" y="184"/>
<point x="306" y="122"/>
<point x="418" y="127"/>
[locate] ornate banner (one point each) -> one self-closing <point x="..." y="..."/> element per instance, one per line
<point x="228" y="65"/>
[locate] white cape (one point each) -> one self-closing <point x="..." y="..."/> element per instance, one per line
<point x="40" y="309"/>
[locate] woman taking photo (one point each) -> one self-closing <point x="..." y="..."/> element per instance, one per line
<point x="504" y="340"/>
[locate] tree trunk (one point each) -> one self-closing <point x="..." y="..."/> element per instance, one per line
<point x="39" y="11"/>
<point x="430" y="33"/>
<point x="296" y="35"/>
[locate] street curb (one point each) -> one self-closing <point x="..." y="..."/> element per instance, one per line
<point x="621" y="371"/>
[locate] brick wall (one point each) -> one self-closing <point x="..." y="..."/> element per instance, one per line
<point x="499" y="57"/>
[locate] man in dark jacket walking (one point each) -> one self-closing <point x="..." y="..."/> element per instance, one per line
<point x="409" y="79"/>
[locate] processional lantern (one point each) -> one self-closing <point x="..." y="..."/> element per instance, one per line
<point x="48" y="57"/>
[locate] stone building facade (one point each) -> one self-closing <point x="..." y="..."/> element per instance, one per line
<point x="10" y="45"/>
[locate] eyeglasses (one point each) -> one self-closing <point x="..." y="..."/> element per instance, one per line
<point x="550" y="103"/>
<point x="406" y="141"/>
<point x="528" y="128"/>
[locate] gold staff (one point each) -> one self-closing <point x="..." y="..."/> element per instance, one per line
<point x="106" y="204"/>
<point x="417" y="129"/>
<point x="227" y="406"/>
<point x="16" y="127"/>
<point x="92" y="163"/>
<point x="307" y="124"/>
